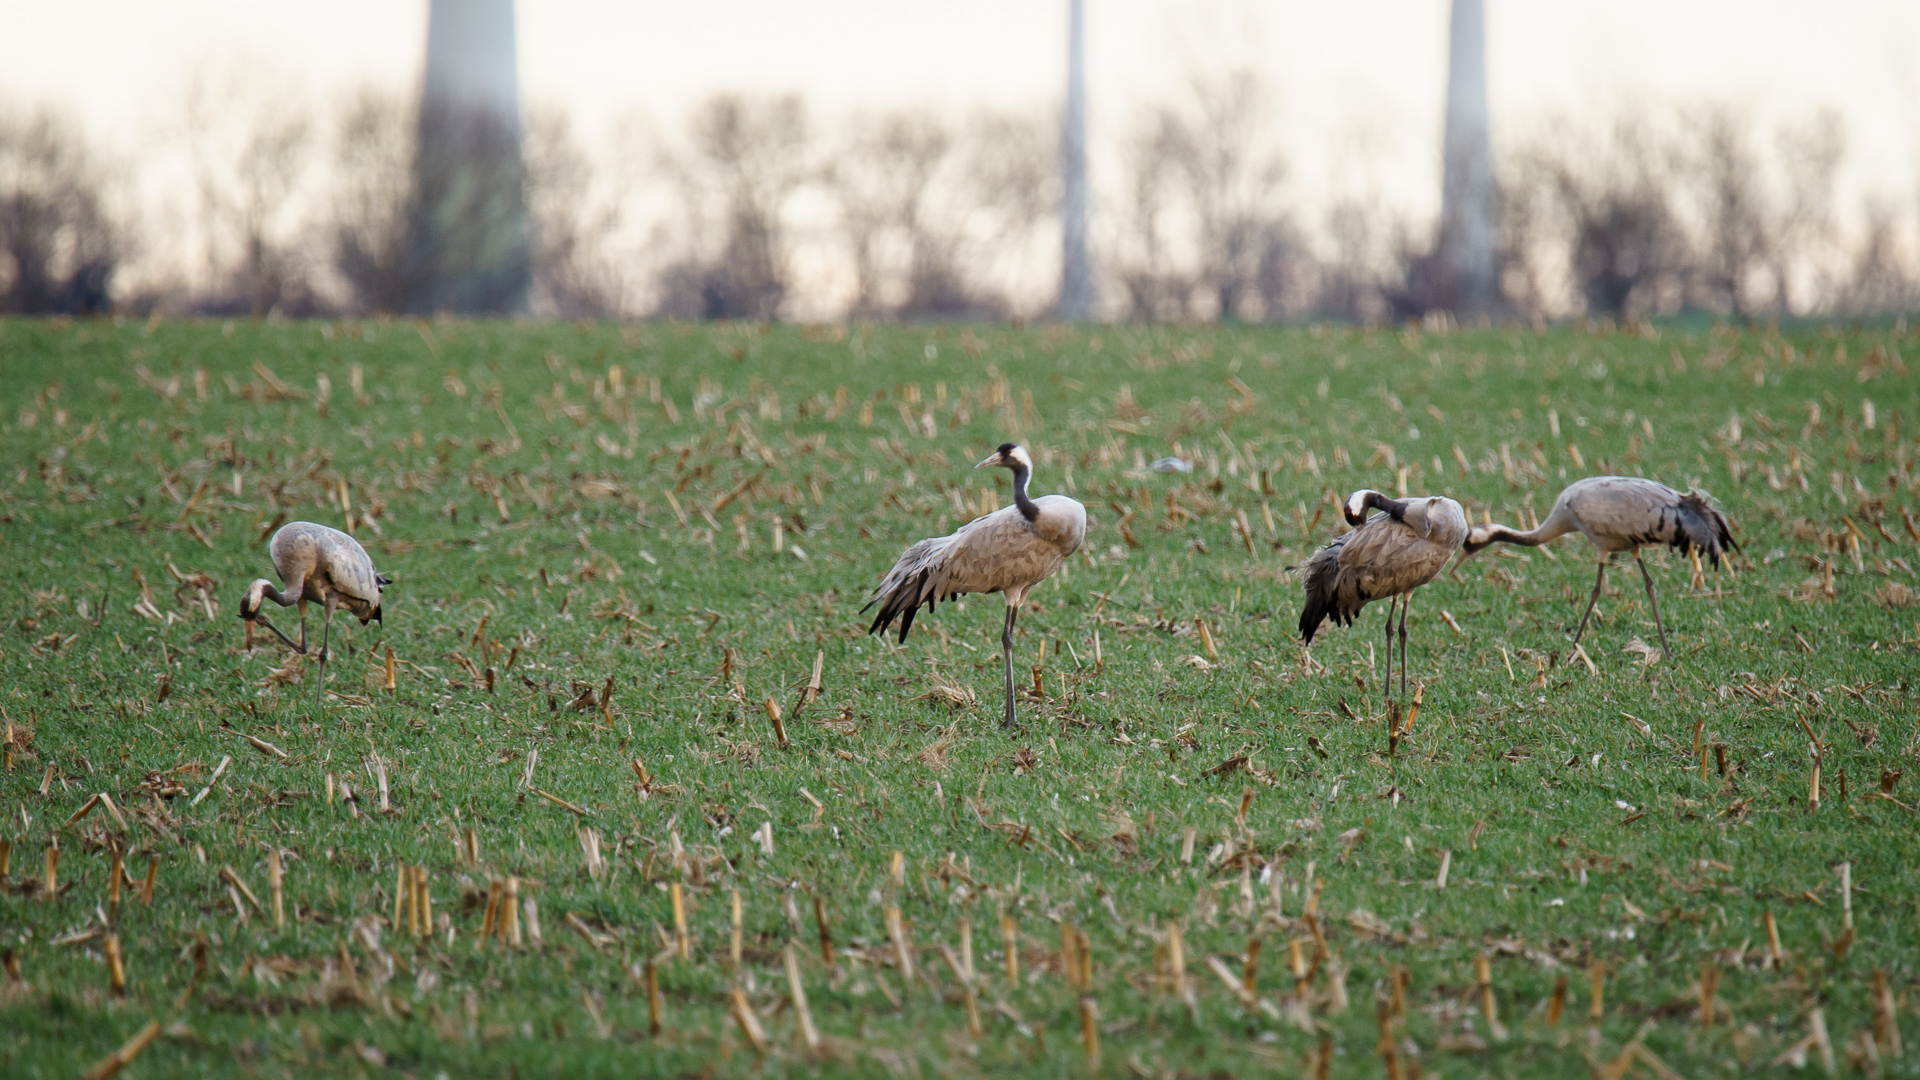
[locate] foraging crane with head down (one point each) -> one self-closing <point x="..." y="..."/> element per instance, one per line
<point x="1388" y="556"/>
<point x="322" y="565"/>
<point x="1008" y="551"/>
<point x="1623" y="513"/>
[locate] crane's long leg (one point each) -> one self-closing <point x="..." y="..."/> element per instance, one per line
<point x="1598" y="583"/>
<point x="1651" y="599"/>
<point x="1386" y="682"/>
<point x="326" y="631"/>
<point x="1405" y="603"/>
<point x="1006" y="652"/>
<point x="303" y="624"/>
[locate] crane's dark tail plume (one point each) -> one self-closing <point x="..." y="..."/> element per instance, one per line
<point x="1701" y="525"/>
<point x="901" y="600"/>
<point x="908" y="585"/>
<point x="1322" y="573"/>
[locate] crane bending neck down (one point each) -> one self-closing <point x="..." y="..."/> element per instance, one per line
<point x="1014" y="456"/>
<point x="260" y="591"/>
<point x="1358" y="503"/>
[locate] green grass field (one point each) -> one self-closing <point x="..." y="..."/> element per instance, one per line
<point x="616" y="544"/>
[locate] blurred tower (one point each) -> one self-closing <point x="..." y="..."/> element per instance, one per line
<point x="467" y="227"/>
<point x="1076" y="265"/>
<point x="1468" y="270"/>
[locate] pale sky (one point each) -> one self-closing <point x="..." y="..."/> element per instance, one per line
<point x="1355" y="79"/>
<point x="116" y="60"/>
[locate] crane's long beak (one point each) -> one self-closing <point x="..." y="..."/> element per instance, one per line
<point x="992" y="459"/>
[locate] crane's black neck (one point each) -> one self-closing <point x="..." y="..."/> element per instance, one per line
<point x="1374" y="500"/>
<point x="1028" y="508"/>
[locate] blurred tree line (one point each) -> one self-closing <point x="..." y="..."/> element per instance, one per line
<point x="751" y="208"/>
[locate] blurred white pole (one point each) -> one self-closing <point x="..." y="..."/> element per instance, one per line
<point x="1468" y="260"/>
<point x="471" y="56"/>
<point x="468" y="249"/>
<point x="1076" y="265"/>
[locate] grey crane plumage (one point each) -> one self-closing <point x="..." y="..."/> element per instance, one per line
<point x="321" y="565"/>
<point x="1008" y="551"/>
<point x="1388" y="557"/>
<point x="1623" y="513"/>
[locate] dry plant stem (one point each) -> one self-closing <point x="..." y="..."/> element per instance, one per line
<point x="653" y="998"/>
<point x="1775" y="958"/>
<point x="902" y="949"/>
<point x="116" y="971"/>
<point x="1846" y="895"/>
<point x="274" y="886"/>
<point x="111" y="1065"/>
<point x="1010" y="942"/>
<point x="779" y="726"/>
<point x="733" y="951"/>
<point x="1483" y="976"/>
<point x="826" y="938"/>
<point x="1069" y="963"/>
<point x="420" y="918"/>
<point x="1177" y="964"/>
<point x="1090" y="1031"/>
<point x="1886" y="1017"/>
<point x="749" y="1022"/>
<point x="681" y="943"/>
<point x="402" y="885"/>
<point x="1557" y="1003"/>
<point x="426" y="901"/>
<point x="965" y="978"/>
<point x="1597" y="1010"/>
<point x="233" y="879"/>
<point x="1817" y="1026"/>
<point x="1389" y="1053"/>
<point x="808" y="1033"/>
<point x="212" y="780"/>
<point x="489" y="924"/>
<point x="966" y="945"/>
<point x="532" y="909"/>
<point x="85" y="809"/>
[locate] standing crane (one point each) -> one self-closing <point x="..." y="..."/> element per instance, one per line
<point x="325" y="566"/>
<point x="1623" y="513"/>
<point x="1008" y="551"/>
<point x="1387" y="556"/>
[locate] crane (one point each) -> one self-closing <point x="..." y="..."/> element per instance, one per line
<point x="1388" y="556"/>
<point x="322" y="565"/>
<point x="1623" y="513"/>
<point x="1008" y="551"/>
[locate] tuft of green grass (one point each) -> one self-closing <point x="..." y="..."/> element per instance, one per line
<point x="618" y="550"/>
